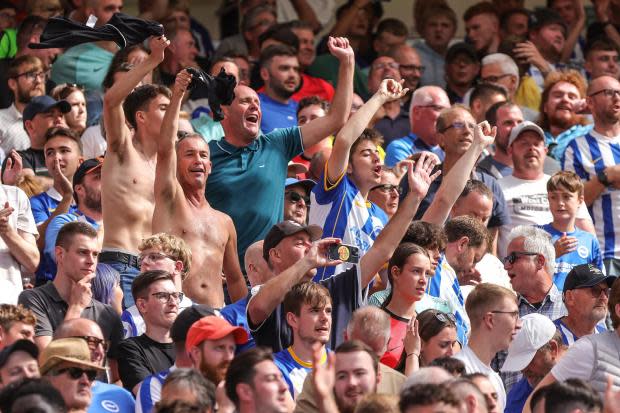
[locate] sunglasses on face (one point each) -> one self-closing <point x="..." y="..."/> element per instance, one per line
<point x="514" y="256"/>
<point x="76" y="372"/>
<point x="294" y="197"/>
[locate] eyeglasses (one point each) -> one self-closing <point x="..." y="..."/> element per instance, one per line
<point x="412" y="68"/>
<point x="494" y="79"/>
<point x="436" y="108"/>
<point x="381" y="66"/>
<point x="609" y="93"/>
<point x="385" y="188"/>
<point x="596" y="291"/>
<point x="94" y="342"/>
<point x="33" y="75"/>
<point x="445" y="318"/>
<point x="164" y="297"/>
<point x="459" y="126"/>
<point x="153" y="257"/>
<point x="76" y="372"/>
<point x="294" y="197"/>
<point x="513" y="314"/>
<point x="514" y="256"/>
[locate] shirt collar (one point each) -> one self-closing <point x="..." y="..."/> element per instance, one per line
<point x="229" y="148"/>
<point x="554" y="295"/>
<point x="54" y="194"/>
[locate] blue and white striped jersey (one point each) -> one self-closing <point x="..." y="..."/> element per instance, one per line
<point x="586" y="156"/>
<point x="149" y="391"/>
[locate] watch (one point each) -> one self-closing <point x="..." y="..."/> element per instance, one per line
<point x="602" y="177"/>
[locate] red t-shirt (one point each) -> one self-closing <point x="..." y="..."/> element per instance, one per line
<point x="396" y="344"/>
<point x="311" y="86"/>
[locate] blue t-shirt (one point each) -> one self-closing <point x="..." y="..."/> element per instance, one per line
<point x="236" y="315"/>
<point x="587" y="252"/>
<point x="294" y="370"/>
<point x="400" y="149"/>
<point x="342" y="212"/>
<point x="277" y="115"/>
<point x="44" y="204"/>
<point x="247" y="183"/>
<point x="517" y="396"/>
<point x="110" y="398"/>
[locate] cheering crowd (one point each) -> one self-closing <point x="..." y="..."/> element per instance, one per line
<point x="324" y="213"/>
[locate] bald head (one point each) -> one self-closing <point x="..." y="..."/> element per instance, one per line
<point x="255" y="265"/>
<point x="605" y="109"/>
<point x="371" y="325"/>
<point x="426" y="375"/>
<point x="78" y="327"/>
<point x="603" y="82"/>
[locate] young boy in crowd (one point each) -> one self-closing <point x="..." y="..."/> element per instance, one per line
<point x="572" y="245"/>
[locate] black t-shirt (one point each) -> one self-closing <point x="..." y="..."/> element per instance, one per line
<point x="347" y="296"/>
<point x="139" y="357"/>
<point x="50" y="310"/>
<point x="32" y="159"/>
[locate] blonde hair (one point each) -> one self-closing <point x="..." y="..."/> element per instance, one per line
<point x="484" y="298"/>
<point x="173" y="246"/>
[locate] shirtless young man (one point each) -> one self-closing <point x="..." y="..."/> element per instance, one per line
<point x="128" y="173"/>
<point x="181" y="209"/>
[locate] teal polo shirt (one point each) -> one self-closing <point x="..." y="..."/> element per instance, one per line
<point x="85" y="64"/>
<point x="247" y="183"/>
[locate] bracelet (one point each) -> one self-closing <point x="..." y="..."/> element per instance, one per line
<point x="413" y="354"/>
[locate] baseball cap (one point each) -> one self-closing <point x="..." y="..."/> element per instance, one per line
<point x="307" y="184"/>
<point x="296" y="168"/>
<point x="213" y="328"/>
<point x="85" y="168"/>
<point x="536" y="331"/>
<point x="586" y="275"/>
<point x="545" y="17"/>
<point x="461" y="48"/>
<point x="285" y="229"/>
<point x="26" y="346"/>
<point x="43" y="104"/>
<point x="70" y="350"/>
<point x="524" y="127"/>
<point x="185" y="319"/>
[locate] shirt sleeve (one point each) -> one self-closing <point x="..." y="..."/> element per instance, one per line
<point x="33" y="301"/>
<point x="25" y="219"/>
<point x="116" y="332"/>
<point x="289" y="139"/>
<point x="40" y="212"/>
<point x="577" y="363"/>
<point x="51" y="233"/>
<point x="394" y="153"/>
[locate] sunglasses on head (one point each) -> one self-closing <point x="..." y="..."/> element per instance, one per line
<point x="445" y="318"/>
<point x="76" y="372"/>
<point x="295" y="197"/>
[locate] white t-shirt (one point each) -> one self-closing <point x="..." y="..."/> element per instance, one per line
<point x="93" y="142"/>
<point x="492" y="271"/>
<point x="527" y="204"/>
<point x="20" y="219"/>
<point x="474" y="365"/>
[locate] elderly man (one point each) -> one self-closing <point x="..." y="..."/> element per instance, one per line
<point x="66" y="364"/>
<point x="586" y="296"/>
<point x="593" y="358"/>
<point x="426" y="104"/>
<point x="598" y="168"/>
<point x="533" y="352"/>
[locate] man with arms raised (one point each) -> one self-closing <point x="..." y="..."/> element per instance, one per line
<point x="181" y="209"/>
<point x="128" y="172"/>
<point x="247" y="162"/>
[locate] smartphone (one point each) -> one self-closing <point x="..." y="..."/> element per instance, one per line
<point x="344" y="253"/>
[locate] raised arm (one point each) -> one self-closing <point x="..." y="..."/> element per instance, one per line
<point x="420" y="178"/>
<point x="273" y="291"/>
<point x="314" y="131"/>
<point x="117" y="134"/>
<point x="336" y="165"/>
<point x="22" y="245"/>
<point x="456" y="178"/>
<point x="65" y="188"/>
<point x="166" y="184"/>
<point x="575" y="31"/>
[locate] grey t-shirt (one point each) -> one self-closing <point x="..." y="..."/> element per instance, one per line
<point x="50" y="310"/>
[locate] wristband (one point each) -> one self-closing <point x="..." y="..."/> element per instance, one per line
<point x="602" y="177"/>
<point x="413" y="354"/>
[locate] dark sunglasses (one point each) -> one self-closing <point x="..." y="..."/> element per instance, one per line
<point x="514" y="256"/>
<point x="76" y="372"/>
<point x="388" y="188"/>
<point x="294" y="197"/>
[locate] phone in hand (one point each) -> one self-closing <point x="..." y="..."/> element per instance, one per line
<point x="344" y="253"/>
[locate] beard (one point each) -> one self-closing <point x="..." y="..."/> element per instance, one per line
<point x="563" y="122"/>
<point x="280" y="90"/>
<point x="92" y="199"/>
<point x="215" y="374"/>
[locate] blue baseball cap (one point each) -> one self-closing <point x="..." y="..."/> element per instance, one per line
<point x="307" y="184"/>
<point x="44" y="104"/>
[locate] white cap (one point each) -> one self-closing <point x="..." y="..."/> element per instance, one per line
<point x="536" y="331"/>
<point x="523" y="127"/>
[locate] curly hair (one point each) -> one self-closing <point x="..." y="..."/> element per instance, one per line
<point x="567" y="76"/>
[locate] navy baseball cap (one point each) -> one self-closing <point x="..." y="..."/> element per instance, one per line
<point x="586" y="275"/>
<point x="43" y="104"/>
